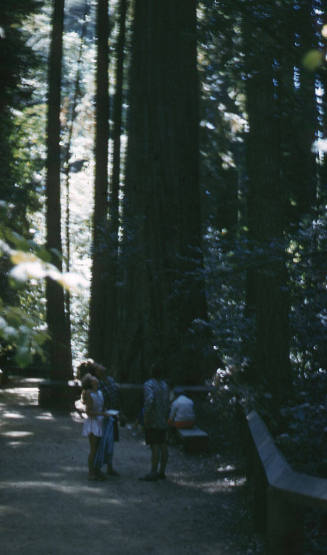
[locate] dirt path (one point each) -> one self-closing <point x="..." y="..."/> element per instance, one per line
<point x="48" y="507"/>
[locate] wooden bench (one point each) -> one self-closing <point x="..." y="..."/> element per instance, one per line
<point x="193" y="439"/>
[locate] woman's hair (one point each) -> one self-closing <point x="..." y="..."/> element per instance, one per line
<point x="88" y="366"/>
<point x="96" y="366"/>
<point x="84" y="368"/>
<point x="87" y="381"/>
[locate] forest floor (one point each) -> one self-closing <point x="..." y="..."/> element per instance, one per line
<point x="48" y="507"/>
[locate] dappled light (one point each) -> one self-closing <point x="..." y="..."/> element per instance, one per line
<point x="45" y="416"/>
<point x="17" y="434"/>
<point x="23" y="395"/>
<point x="15" y="444"/>
<point x="226" y="468"/>
<point x="44" y="488"/>
<point x="15" y="415"/>
<point x="214" y="486"/>
<point x="163" y="210"/>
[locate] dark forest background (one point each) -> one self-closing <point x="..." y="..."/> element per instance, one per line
<point x="163" y="181"/>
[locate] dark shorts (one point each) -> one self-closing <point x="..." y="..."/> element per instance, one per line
<point x="153" y="436"/>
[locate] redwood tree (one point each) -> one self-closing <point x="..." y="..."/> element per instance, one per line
<point x="112" y="305"/>
<point x="162" y="305"/>
<point x="59" y="344"/>
<point x="98" y="316"/>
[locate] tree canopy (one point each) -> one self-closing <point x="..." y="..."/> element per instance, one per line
<point x="186" y="180"/>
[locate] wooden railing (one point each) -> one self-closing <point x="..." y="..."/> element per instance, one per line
<point x="281" y="495"/>
<point x="63" y="394"/>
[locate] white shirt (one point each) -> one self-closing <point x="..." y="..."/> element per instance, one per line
<point x="182" y="409"/>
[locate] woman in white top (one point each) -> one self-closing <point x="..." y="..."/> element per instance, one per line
<point x="93" y="425"/>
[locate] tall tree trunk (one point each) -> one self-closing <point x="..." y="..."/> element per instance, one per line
<point x="163" y="295"/>
<point x="114" y="190"/>
<point x="59" y="346"/>
<point x="98" y="313"/>
<point x="266" y="210"/>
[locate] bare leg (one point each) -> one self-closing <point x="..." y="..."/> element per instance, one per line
<point x="153" y="474"/>
<point x="94" y="442"/>
<point x="110" y="470"/>
<point x="155" y="451"/>
<point x="163" y="459"/>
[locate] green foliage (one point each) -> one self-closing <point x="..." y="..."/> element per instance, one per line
<point x="313" y="59"/>
<point x="223" y="118"/>
<point x="25" y="264"/>
<point x="17" y="62"/>
<point x="20" y="335"/>
<point x="226" y="262"/>
<point x="17" y="165"/>
<point x="219" y="414"/>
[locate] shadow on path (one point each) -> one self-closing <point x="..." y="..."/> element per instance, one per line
<point x="48" y="507"/>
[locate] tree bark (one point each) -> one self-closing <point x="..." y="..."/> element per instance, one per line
<point x="112" y="292"/>
<point x="98" y="313"/>
<point x="163" y="293"/>
<point x="59" y="345"/>
<point x="267" y="293"/>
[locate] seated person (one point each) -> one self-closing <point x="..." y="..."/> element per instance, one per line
<point x="182" y="413"/>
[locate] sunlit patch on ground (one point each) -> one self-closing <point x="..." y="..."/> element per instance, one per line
<point x="212" y="486"/>
<point x="17" y="433"/>
<point x="44" y="480"/>
<point x="22" y="395"/>
<point x="235" y="483"/>
<point x="12" y="415"/>
<point x="226" y="468"/>
<point x="45" y="416"/>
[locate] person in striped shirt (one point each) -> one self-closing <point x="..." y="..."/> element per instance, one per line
<point x="156" y="412"/>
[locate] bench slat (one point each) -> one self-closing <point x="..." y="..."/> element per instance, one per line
<point x="193" y="439"/>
